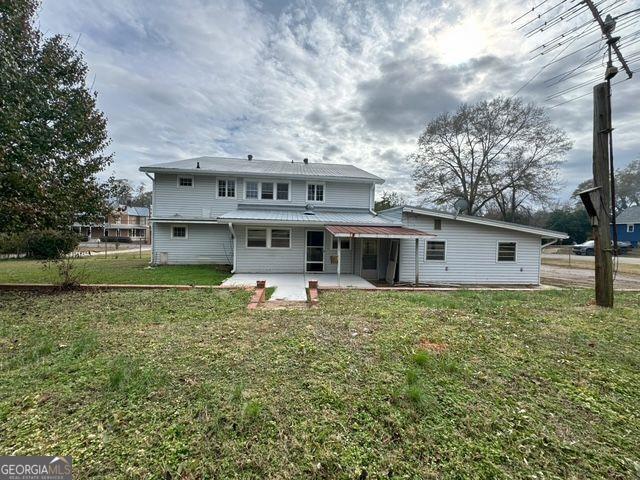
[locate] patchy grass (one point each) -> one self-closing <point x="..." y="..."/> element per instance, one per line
<point x="190" y="385"/>
<point x="125" y="268"/>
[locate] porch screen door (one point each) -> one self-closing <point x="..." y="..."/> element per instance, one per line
<point x="370" y="258"/>
<point x="315" y="251"/>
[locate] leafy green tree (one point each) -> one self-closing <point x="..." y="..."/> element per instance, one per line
<point x="389" y="200"/>
<point x="52" y="136"/>
<point x="574" y="221"/>
<point x="627" y="187"/>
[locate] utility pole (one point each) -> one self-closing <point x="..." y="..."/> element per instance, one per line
<point x="601" y="175"/>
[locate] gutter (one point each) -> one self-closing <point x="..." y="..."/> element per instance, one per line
<point x="233" y="235"/>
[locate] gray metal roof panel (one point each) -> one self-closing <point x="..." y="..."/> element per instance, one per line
<point x="238" y="166"/>
<point x="292" y="216"/>
<point x="630" y="215"/>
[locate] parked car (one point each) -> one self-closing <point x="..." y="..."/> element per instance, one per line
<point x="588" y="248"/>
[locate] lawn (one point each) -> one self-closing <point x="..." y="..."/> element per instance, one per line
<point x="125" y="268"/>
<point x="188" y="384"/>
<point x="588" y="264"/>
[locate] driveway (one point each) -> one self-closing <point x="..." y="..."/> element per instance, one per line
<point x="292" y="286"/>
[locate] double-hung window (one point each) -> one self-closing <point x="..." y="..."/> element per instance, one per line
<point x="315" y="192"/>
<point x="282" y="191"/>
<point x="436" y="251"/>
<point x="268" y="238"/>
<point x="257" y="237"/>
<point x="280" y="238"/>
<point x="251" y="189"/>
<point x="507" y="251"/>
<point x="226" y="188"/>
<point x="266" y="191"/>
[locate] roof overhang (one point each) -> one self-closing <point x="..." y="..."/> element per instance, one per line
<point x="232" y="173"/>
<point x="352" y="231"/>
<point x="540" y="232"/>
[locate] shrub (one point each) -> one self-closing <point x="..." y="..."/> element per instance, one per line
<point x="116" y="239"/>
<point x="12" y="243"/>
<point x="49" y="244"/>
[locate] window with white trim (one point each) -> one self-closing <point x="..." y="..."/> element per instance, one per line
<point x="257" y="237"/>
<point x="436" y="250"/>
<point x="437" y="224"/>
<point x="251" y="189"/>
<point x="226" y="188"/>
<point x="179" y="231"/>
<point x="266" y="191"/>
<point x="282" y="191"/>
<point x="507" y="251"/>
<point x="315" y="192"/>
<point x="345" y="243"/>
<point x="280" y="238"/>
<point x="185" y="181"/>
<point x="630" y="228"/>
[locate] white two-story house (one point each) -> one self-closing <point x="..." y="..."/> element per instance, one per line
<point x="263" y="216"/>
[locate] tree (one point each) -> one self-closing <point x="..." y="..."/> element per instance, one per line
<point x="502" y="152"/>
<point x="51" y="134"/>
<point x="389" y="200"/>
<point x="120" y="191"/>
<point x="627" y="187"/>
<point x="572" y="220"/>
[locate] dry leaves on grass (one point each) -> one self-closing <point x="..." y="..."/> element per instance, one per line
<point x="425" y="344"/>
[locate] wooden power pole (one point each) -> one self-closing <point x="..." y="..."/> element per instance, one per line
<point x="601" y="179"/>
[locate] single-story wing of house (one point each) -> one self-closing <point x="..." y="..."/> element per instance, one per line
<point x="263" y="216"/>
<point x="628" y="225"/>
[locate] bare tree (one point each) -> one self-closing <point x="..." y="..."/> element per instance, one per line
<point x="501" y="152"/>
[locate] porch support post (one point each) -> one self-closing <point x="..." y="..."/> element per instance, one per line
<point x="339" y="259"/>
<point x="417" y="266"/>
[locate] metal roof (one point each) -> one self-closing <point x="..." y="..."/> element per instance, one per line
<point x="138" y="211"/>
<point x="270" y="168"/>
<point x="544" y="233"/>
<point x="363" y="217"/>
<point x="375" y="232"/>
<point x="630" y="215"/>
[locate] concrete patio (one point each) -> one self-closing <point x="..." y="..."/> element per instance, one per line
<point x="292" y="286"/>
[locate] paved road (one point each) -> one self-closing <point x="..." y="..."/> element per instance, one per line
<point x="580" y="258"/>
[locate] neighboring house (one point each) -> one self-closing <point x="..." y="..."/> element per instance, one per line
<point x="123" y="222"/>
<point x="264" y="216"/>
<point x="628" y="226"/>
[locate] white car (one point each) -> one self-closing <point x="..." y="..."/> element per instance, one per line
<point x="588" y="248"/>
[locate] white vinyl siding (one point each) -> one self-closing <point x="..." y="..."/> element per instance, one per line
<point x="206" y="244"/>
<point x="470" y="254"/>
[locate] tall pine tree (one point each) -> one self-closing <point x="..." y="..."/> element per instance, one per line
<point x="52" y="136"/>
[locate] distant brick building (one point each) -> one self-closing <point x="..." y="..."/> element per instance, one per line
<point x="126" y="222"/>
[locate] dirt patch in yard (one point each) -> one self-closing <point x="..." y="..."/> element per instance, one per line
<point x="581" y="277"/>
<point x="433" y="347"/>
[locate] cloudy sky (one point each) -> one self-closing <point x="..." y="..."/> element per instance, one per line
<point x="334" y="81"/>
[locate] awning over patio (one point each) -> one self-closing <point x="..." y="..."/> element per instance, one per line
<point x="347" y="231"/>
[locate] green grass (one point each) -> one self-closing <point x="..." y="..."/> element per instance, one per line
<point x="189" y="384"/>
<point x="126" y="268"/>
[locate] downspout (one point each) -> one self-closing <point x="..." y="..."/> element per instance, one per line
<point x="152" y="234"/>
<point x="233" y="235"/>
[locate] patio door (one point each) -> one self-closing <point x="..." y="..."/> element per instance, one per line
<point x="369" y="268"/>
<point x="315" y="251"/>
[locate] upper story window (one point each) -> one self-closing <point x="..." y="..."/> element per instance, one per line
<point x="507" y="251"/>
<point x="267" y="191"/>
<point x="282" y="192"/>
<point x="251" y="189"/>
<point x="630" y="228"/>
<point x="226" y="188"/>
<point x="315" y="192"/>
<point x="185" y="181"/>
